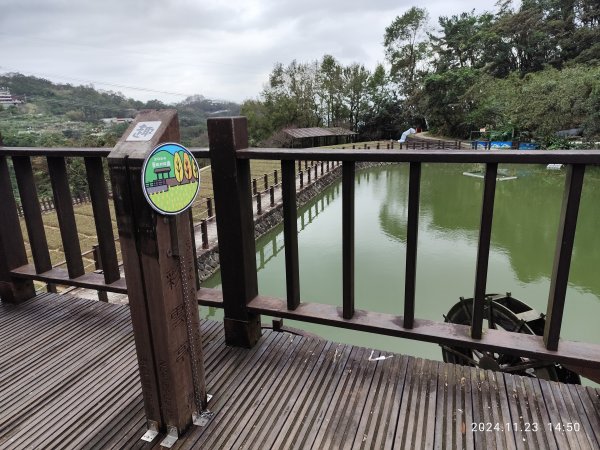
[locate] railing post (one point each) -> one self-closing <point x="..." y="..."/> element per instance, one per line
<point x="209" y="207"/>
<point x="102" y="295"/>
<point x="204" y="232"/>
<point x="235" y="228"/>
<point x="290" y="233"/>
<point x="562" y="256"/>
<point x="412" y="233"/>
<point x="160" y="271"/>
<point x="12" y="244"/>
<point x="483" y="249"/>
<point x="275" y="177"/>
<point x="348" y="175"/>
<point x="272" y="194"/>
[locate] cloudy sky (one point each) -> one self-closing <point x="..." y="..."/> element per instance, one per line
<point x="168" y="49"/>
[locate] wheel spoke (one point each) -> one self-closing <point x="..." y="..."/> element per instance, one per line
<point x="459" y="354"/>
<point x="478" y="352"/>
<point x="533" y="364"/>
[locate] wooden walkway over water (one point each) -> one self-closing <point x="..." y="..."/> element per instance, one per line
<point x="69" y="379"/>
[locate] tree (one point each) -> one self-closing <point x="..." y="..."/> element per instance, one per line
<point x="178" y="166"/>
<point x="330" y="85"/>
<point x="460" y="43"/>
<point x="443" y="100"/>
<point x="406" y="46"/>
<point x="260" y="125"/>
<point x="356" y="79"/>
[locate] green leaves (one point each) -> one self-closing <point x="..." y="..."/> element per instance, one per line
<point x="406" y="46"/>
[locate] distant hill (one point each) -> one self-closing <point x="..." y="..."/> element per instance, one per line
<point x="64" y="114"/>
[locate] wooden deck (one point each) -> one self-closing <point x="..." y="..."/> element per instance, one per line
<point x="69" y="379"/>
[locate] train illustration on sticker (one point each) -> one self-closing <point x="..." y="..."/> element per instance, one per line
<point x="170" y="178"/>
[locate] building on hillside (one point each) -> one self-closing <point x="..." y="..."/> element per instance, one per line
<point x="112" y="120"/>
<point x="6" y="99"/>
<point x="315" y="137"/>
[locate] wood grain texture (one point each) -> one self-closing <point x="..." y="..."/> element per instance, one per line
<point x="289" y="391"/>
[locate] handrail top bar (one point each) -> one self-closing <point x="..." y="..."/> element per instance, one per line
<point x="103" y="152"/>
<point x="381" y="155"/>
<point x="446" y="156"/>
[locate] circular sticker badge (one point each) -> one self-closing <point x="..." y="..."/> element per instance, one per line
<point x="170" y="178"/>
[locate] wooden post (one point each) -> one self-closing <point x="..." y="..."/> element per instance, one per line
<point x="412" y="233"/>
<point x="290" y="233"/>
<point x="272" y="194"/>
<point x="160" y="271"/>
<point x="348" y="175"/>
<point x="102" y="295"/>
<point x="204" y="231"/>
<point x="266" y="181"/>
<point x="275" y="177"/>
<point x="483" y="249"/>
<point x="209" y="207"/>
<point x="97" y="257"/>
<point x="12" y="244"/>
<point x="563" y="253"/>
<point x="235" y="228"/>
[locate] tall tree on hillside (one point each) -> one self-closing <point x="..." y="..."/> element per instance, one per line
<point x="356" y="82"/>
<point x="291" y="95"/>
<point x="460" y="43"/>
<point x="550" y="32"/>
<point x="379" y="90"/>
<point x="472" y="40"/>
<point x="330" y="89"/>
<point x="406" y="45"/>
<point x="587" y="31"/>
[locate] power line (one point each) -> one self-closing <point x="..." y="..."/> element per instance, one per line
<point x="122" y="86"/>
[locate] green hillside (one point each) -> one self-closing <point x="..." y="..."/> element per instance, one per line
<point x="68" y="115"/>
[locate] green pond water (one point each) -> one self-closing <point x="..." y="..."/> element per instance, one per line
<point x="525" y="223"/>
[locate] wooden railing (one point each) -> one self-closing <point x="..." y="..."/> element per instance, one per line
<point x="243" y="304"/>
<point x="233" y="193"/>
<point x="70" y="271"/>
<point x="14" y="263"/>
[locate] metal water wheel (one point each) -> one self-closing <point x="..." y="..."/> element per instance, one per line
<point x="505" y="313"/>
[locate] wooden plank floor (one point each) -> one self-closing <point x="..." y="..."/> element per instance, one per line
<point x="68" y="379"/>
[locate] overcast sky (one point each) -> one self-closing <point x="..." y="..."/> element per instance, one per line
<point x="219" y="49"/>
